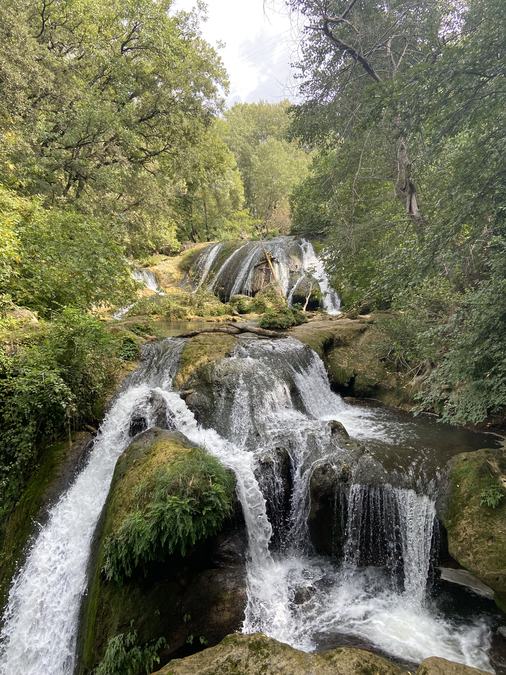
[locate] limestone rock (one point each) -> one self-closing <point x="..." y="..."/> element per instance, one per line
<point x="437" y="666"/>
<point x="253" y="654"/>
<point x="477" y="532"/>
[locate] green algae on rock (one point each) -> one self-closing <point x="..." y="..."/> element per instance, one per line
<point x="167" y="496"/>
<point x="477" y="532"/>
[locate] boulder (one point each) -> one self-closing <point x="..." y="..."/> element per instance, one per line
<point x="437" y="666"/>
<point x="253" y="654"/>
<point x="185" y="584"/>
<point x="474" y="520"/>
<point x="350" y="350"/>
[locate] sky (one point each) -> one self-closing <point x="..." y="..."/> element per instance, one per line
<point x="259" y="43"/>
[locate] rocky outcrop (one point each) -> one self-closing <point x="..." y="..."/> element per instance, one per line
<point x="437" y="666"/>
<point x="168" y="559"/>
<point x="350" y="350"/>
<point x="474" y="514"/>
<point x="253" y="654"/>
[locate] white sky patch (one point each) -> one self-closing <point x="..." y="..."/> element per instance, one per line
<point x="259" y="42"/>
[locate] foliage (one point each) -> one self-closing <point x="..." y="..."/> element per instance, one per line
<point x="270" y="165"/>
<point x="184" y="502"/>
<point x="63" y="258"/>
<point x="46" y="386"/>
<point x="417" y="114"/>
<point x="104" y="102"/>
<point x="491" y="497"/>
<point x="124" y="656"/>
<point x="282" y="318"/>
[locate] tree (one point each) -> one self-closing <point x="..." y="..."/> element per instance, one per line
<point x="109" y="97"/>
<point x="270" y="164"/>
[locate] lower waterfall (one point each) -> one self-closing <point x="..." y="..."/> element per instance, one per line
<point x="271" y="411"/>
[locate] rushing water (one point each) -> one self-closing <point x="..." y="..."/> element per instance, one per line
<point x="246" y="270"/>
<point x="268" y="422"/>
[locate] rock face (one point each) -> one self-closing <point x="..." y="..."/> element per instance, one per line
<point x="190" y="596"/>
<point x="437" y="666"/>
<point x="349" y="350"/>
<point x="477" y="532"/>
<point x="254" y="654"/>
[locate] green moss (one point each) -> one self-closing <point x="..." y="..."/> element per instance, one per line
<point x="124" y="656"/>
<point x="200" y="351"/>
<point x="269" y="298"/>
<point x="158" y="465"/>
<point x="282" y="318"/>
<point x="477" y="532"/>
<point x="170" y="496"/>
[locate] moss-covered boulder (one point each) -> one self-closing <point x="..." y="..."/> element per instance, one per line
<point x="155" y="552"/>
<point x="474" y="514"/>
<point x="253" y="654"/>
<point x="351" y="352"/>
<point x="199" y="353"/>
<point x="437" y="666"/>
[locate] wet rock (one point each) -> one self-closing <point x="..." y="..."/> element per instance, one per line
<point x="191" y="594"/>
<point x="253" y="654"/>
<point x="327" y="501"/>
<point x="437" y="666"/>
<point x="138" y="424"/>
<point x="338" y="429"/>
<point x="477" y="531"/>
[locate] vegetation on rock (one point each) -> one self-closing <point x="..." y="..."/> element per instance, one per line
<point x="475" y="516"/>
<point x="167" y="497"/>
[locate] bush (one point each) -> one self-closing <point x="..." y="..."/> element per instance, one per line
<point x="46" y="386"/>
<point x="491" y="497"/>
<point x="283" y="318"/>
<point x="124" y="656"/>
<point x="185" y="501"/>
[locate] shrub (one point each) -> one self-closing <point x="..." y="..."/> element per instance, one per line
<point x="491" y="497"/>
<point x="124" y="656"/>
<point x="47" y="385"/>
<point x="184" y="502"/>
<point x="283" y="318"/>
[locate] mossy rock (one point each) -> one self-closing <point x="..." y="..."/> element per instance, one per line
<point x="201" y="351"/>
<point x="477" y="532"/>
<point x="438" y="666"/>
<point x="254" y="654"/>
<point x="167" y="499"/>
<point x="350" y="350"/>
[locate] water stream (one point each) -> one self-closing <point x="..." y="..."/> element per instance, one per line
<point x="246" y="270"/>
<point x="269" y="424"/>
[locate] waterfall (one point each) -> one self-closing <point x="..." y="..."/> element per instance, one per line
<point x="40" y="622"/>
<point x="205" y="262"/>
<point x="293" y="261"/>
<point x="271" y="403"/>
<point x="148" y="279"/>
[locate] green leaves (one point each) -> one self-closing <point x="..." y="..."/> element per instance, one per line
<point x="185" y="502"/>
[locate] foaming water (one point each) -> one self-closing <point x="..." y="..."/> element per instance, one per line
<point x="270" y="425"/>
<point x="293" y="262"/>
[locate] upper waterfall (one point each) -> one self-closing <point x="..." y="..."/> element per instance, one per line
<point x="246" y="268"/>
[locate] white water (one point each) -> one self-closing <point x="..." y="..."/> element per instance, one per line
<point x="148" y="279"/>
<point x="205" y="262"/>
<point x="280" y="398"/>
<point x="293" y="262"/>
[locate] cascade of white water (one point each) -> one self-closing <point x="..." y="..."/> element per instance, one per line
<point x="270" y="397"/>
<point x="293" y="262"/>
<point x="205" y="262"/>
<point x="148" y="279"/>
<point x="314" y="265"/>
<point x="40" y="622"/>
